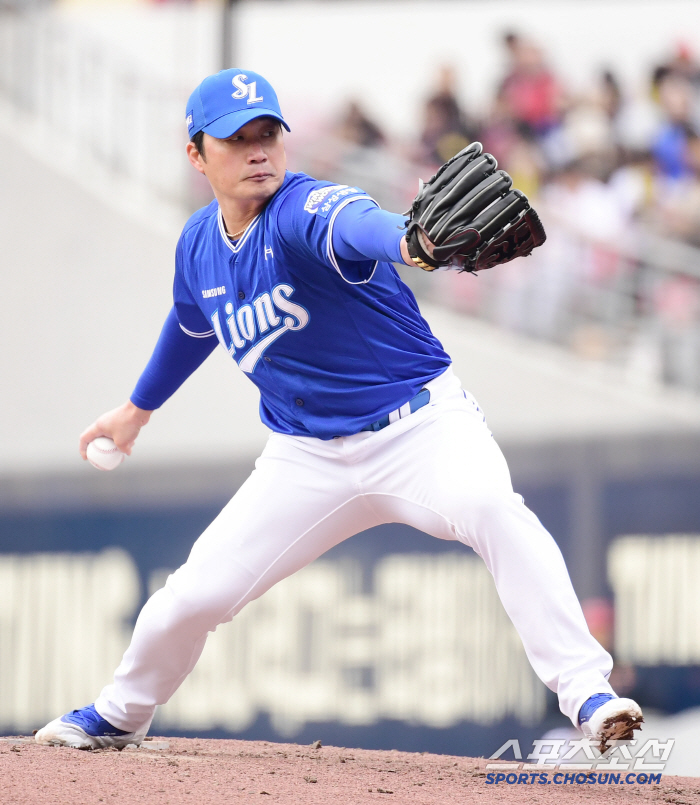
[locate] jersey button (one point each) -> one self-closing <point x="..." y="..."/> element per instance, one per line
<point x="241" y="295"/>
<point x="299" y="401"/>
<point x="268" y="359"/>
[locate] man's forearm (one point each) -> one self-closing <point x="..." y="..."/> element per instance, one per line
<point x="363" y="231"/>
<point x="175" y="357"/>
<point x="140" y="416"/>
<point x="405" y="256"/>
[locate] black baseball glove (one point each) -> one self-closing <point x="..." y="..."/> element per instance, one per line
<point x="472" y="216"/>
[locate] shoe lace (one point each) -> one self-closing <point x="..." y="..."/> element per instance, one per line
<point x="90" y="720"/>
<point x="591" y="705"/>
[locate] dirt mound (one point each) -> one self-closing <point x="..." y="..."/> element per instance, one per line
<point x="208" y="772"/>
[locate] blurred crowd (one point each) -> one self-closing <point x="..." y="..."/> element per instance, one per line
<point x="607" y="168"/>
<point x="637" y="157"/>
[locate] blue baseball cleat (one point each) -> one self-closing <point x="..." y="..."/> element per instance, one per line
<point x="86" y="729"/>
<point x="604" y="718"/>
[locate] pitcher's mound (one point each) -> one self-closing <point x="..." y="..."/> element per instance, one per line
<point x="175" y="771"/>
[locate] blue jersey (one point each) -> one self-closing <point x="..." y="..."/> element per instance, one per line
<point x="331" y="344"/>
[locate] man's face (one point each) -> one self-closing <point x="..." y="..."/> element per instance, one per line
<point x="248" y="166"/>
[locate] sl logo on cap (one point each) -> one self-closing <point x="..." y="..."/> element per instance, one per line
<point x="243" y="89"/>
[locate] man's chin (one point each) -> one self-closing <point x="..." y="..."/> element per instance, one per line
<point x="263" y="190"/>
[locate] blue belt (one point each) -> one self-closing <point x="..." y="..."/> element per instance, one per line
<point x="421" y="399"/>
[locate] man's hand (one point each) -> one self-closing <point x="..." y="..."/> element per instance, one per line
<point x="469" y="217"/>
<point x="406" y="257"/>
<point x="122" y="425"/>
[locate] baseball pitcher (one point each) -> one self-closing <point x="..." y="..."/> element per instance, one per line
<point x="293" y="278"/>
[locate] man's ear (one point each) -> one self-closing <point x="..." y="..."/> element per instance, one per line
<point x="195" y="157"/>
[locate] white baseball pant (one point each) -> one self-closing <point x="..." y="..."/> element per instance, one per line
<point x="439" y="470"/>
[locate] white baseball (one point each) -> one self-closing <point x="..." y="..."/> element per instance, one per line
<point x="104" y="454"/>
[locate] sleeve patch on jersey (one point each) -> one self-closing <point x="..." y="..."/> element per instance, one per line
<point x="322" y="201"/>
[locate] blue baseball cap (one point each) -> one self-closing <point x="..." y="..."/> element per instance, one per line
<point x="225" y="102"/>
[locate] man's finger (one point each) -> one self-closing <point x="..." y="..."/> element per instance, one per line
<point x="87" y="436"/>
<point x="125" y="446"/>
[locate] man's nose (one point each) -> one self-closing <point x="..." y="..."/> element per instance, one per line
<point x="257" y="153"/>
